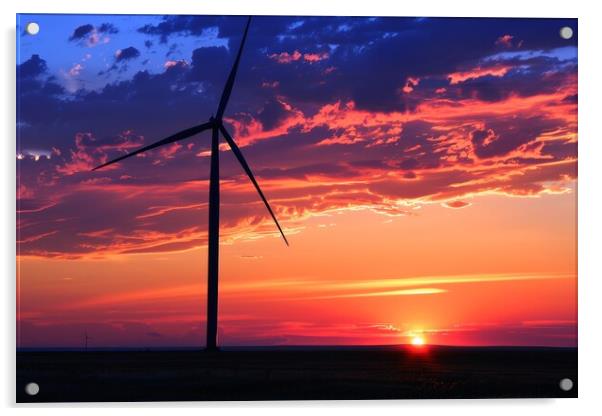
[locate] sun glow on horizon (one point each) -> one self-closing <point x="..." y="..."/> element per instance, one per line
<point x="417" y="340"/>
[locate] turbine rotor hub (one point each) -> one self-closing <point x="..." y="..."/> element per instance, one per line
<point x="215" y="121"/>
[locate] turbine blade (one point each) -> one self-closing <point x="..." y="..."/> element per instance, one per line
<point x="247" y="169"/>
<point x="230" y="82"/>
<point x="184" y="134"/>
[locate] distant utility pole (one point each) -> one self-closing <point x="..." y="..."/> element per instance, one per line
<point x="86" y="338"/>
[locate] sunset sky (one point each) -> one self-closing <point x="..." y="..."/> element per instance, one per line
<point x="424" y="171"/>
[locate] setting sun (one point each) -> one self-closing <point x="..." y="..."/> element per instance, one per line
<point x="417" y="340"/>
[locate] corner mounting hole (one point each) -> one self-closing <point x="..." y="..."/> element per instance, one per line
<point x="32" y="28"/>
<point x="32" y="389"/>
<point x="566" y="32"/>
<point x="566" y="384"/>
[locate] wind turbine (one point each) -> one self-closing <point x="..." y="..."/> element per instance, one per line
<point x="86" y="338"/>
<point x="215" y="124"/>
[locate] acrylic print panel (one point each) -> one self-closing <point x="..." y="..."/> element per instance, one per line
<point x="224" y="208"/>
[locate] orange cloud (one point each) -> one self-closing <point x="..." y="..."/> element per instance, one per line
<point x="287" y="58"/>
<point x="478" y="72"/>
<point x="456" y="204"/>
<point x="504" y="41"/>
<point x="88" y="154"/>
<point x="411" y="83"/>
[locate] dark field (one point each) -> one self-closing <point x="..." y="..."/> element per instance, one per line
<point x="297" y="374"/>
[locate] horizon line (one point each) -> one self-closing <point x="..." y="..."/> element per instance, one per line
<point x="282" y="347"/>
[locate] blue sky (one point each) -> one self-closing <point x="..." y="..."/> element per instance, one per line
<point x="62" y="55"/>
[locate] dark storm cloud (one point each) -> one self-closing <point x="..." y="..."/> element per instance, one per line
<point x="32" y="68"/>
<point x="121" y="60"/>
<point x="38" y="94"/>
<point x="81" y="32"/>
<point x="272" y="113"/>
<point x="572" y="99"/>
<point x="84" y="31"/>
<point x="177" y="24"/>
<point x="209" y="67"/>
<point x="108" y="28"/>
<point x="374" y="64"/>
<point x="172" y="50"/>
<point x="228" y="26"/>
<point x="209" y="64"/>
<point x="126" y="54"/>
<point x="502" y="135"/>
<point x="144" y="103"/>
<point x="518" y="81"/>
<point x="560" y="150"/>
<point x="187" y="26"/>
<point x="434" y="47"/>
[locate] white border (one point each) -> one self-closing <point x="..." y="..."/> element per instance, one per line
<point x="590" y="206"/>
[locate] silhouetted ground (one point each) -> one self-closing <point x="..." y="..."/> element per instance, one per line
<point x="297" y="373"/>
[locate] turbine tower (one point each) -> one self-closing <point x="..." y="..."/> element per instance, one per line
<point x="215" y="124"/>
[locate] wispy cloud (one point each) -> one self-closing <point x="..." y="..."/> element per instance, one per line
<point x="400" y="292"/>
<point x="420" y="285"/>
<point x="307" y="288"/>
